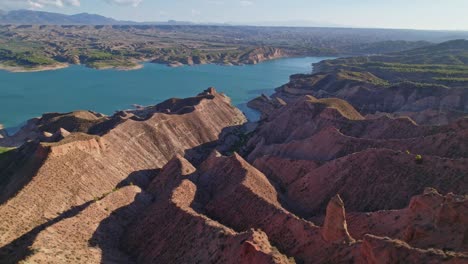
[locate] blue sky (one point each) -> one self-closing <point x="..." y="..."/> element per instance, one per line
<point x="416" y="14"/>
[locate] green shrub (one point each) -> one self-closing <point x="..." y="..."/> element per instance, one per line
<point x="418" y="159"/>
<point x="97" y="55"/>
<point x="3" y="150"/>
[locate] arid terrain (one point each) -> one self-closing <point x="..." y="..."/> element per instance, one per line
<point x="427" y="84"/>
<point x="164" y="184"/>
<point x="362" y="161"/>
<point x="32" y="47"/>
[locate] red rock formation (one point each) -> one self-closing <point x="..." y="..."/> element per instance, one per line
<point x="53" y="125"/>
<point x="306" y="116"/>
<point x="429" y="104"/>
<point x="238" y="195"/>
<point x="379" y="250"/>
<point x="174" y="171"/>
<point x="88" y="233"/>
<point x="266" y="105"/>
<point x="62" y="199"/>
<point x="261" y="54"/>
<point x="363" y="160"/>
<point x="371" y="180"/>
<point x="171" y="230"/>
<point x="430" y="220"/>
<point x="335" y="228"/>
<point x="82" y="167"/>
<point x="284" y="171"/>
<point x="329" y="144"/>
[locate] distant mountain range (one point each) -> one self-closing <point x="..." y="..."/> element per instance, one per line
<point x="48" y="18"/>
<point x="30" y="17"/>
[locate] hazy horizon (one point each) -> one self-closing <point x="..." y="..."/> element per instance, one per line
<point x="398" y="14"/>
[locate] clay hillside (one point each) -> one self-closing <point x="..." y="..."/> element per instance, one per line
<point x="190" y="181"/>
<point x="428" y="84"/>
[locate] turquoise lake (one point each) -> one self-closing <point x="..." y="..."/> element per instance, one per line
<point x="27" y="95"/>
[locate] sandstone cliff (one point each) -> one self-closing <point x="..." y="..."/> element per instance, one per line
<point x="239" y="56"/>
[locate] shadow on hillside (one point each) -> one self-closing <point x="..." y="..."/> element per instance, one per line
<point x="108" y="236"/>
<point x="17" y="168"/>
<point x="19" y="249"/>
<point x="28" y="160"/>
<point x="111" y="233"/>
<point x="198" y="154"/>
<point x="110" y="230"/>
<point x="140" y="178"/>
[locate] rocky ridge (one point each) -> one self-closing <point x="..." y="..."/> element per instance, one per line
<point x="82" y="167"/>
<point x="184" y="181"/>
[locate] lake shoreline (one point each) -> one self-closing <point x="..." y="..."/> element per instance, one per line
<point x="79" y="87"/>
<point x="119" y="68"/>
<point x="138" y="65"/>
<point x="19" y="69"/>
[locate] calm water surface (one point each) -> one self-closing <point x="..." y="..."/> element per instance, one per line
<point x="27" y="95"/>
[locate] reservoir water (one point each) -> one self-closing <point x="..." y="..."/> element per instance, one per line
<point x="27" y="95"/>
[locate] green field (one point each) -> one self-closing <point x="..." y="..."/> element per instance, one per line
<point x="443" y="64"/>
<point x="24" y="58"/>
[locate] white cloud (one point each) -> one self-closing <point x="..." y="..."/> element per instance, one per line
<point x="35" y="5"/>
<point x="39" y="4"/>
<point x="134" y="3"/>
<point x="57" y="3"/>
<point x="74" y="2"/>
<point x="246" y="3"/>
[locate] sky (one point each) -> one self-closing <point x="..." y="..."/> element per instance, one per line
<point x="413" y="14"/>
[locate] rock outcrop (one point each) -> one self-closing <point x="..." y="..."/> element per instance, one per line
<point x="52" y="126"/>
<point x="335" y="228"/>
<point x="385" y="250"/>
<point x="266" y="105"/>
<point x="240" y="56"/>
<point x="261" y="54"/>
<point x="430" y="218"/>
